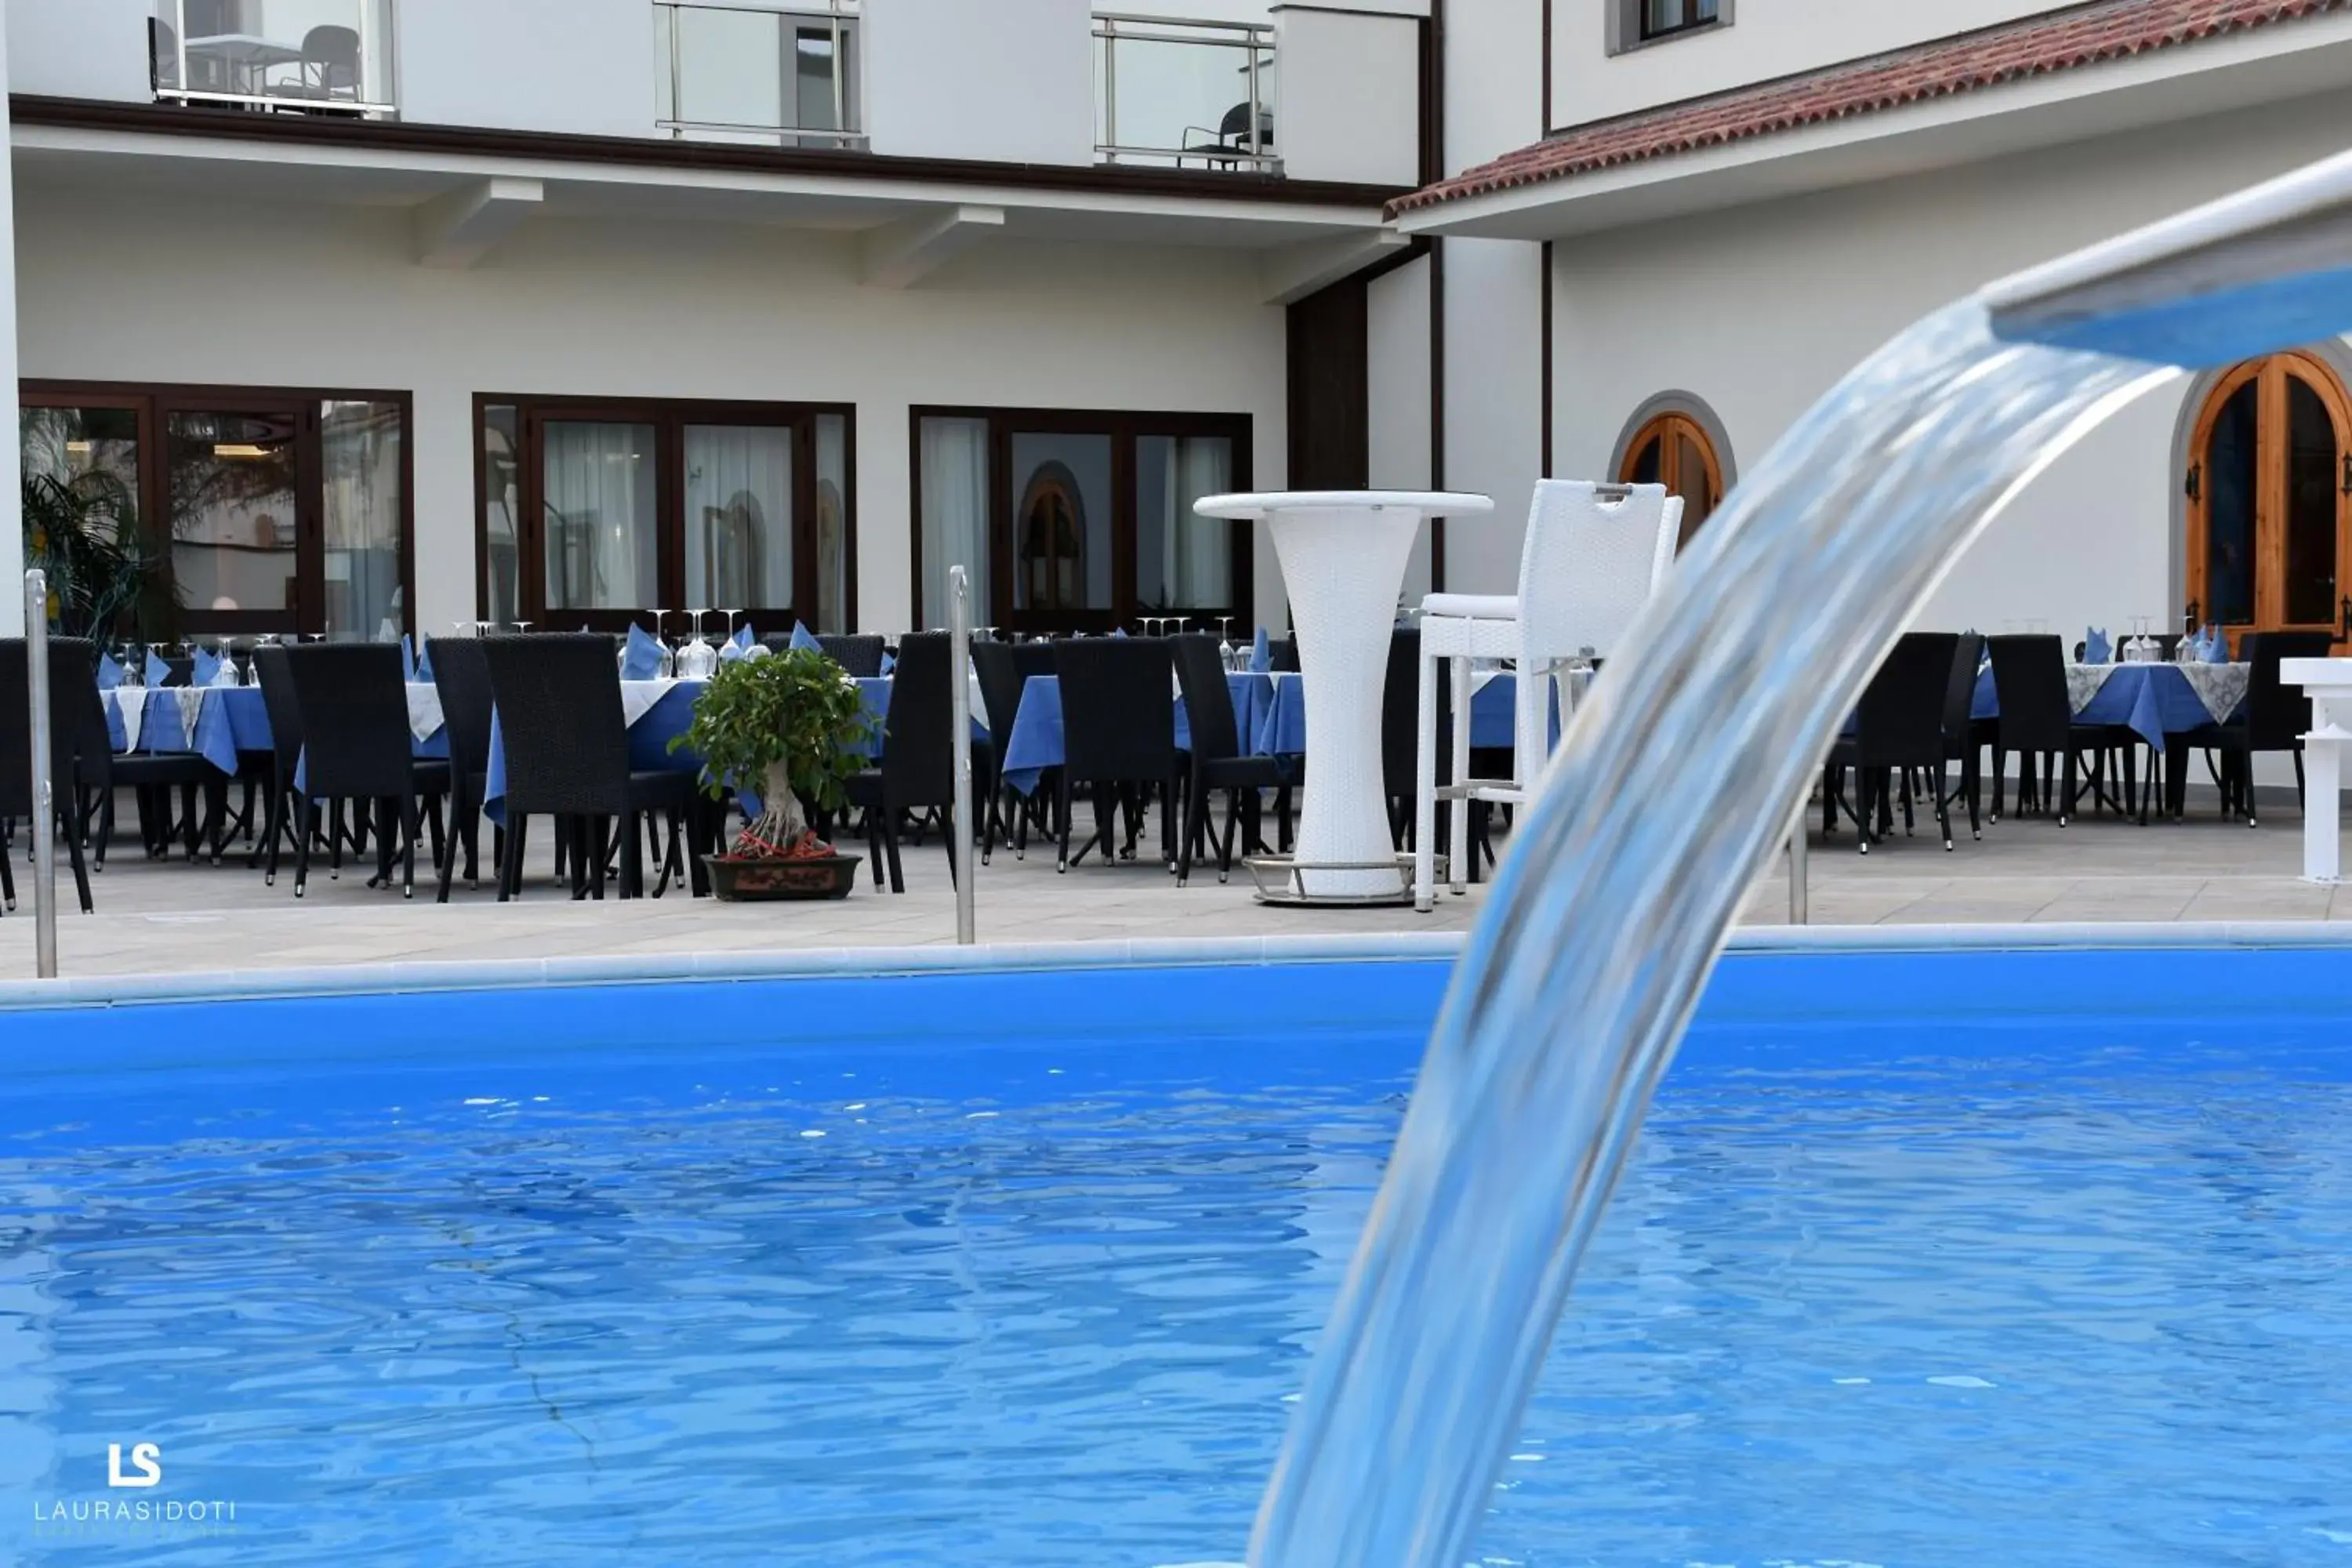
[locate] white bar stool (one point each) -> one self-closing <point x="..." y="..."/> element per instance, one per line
<point x="1594" y="555"/>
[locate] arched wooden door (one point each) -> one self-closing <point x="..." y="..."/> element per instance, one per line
<point x="2270" y="498"/>
<point x="1674" y="451"/>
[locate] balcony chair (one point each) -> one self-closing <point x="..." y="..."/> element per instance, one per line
<point x="1594" y="555"/>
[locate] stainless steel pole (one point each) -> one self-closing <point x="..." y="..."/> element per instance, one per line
<point x="959" y="704"/>
<point x="1800" y="912"/>
<point x="44" y="810"/>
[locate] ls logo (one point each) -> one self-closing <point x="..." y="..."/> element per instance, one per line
<point x="146" y="1465"/>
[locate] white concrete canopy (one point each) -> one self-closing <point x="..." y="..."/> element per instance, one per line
<point x="1295" y="271"/>
<point x="900" y="255"/>
<point x="461" y="227"/>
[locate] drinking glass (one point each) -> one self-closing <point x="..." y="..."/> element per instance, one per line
<point x="731" y="616"/>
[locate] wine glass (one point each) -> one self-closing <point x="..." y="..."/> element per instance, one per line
<point x="731" y="616"/>
<point x="1225" y="640"/>
<point x="661" y="638"/>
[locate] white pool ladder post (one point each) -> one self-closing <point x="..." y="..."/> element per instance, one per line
<point x="960" y="703"/>
<point x="45" y="847"/>
<point x="1800" y="868"/>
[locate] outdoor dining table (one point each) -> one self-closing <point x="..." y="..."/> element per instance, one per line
<point x="2154" y="700"/>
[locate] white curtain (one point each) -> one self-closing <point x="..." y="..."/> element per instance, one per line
<point x="954" y="460"/>
<point x="602" y="536"/>
<point x="360" y="452"/>
<point x="832" y="523"/>
<point x="738" y="517"/>
<point x="1197" y="552"/>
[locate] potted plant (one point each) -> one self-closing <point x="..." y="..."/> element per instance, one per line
<point x="794" y="724"/>
<point x="81" y="532"/>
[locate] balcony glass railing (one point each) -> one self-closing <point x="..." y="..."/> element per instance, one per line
<point x="1172" y="90"/>
<point x="739" y="70"/>
<point x="331" y="56"/>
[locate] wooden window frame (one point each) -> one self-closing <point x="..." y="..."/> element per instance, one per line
<point x="154" y="402"/>
<point x="1661" y="427"/>
<point x="670" y="417"/>
<point x="1124" y="427"/>
<point x="2271" y="373"/>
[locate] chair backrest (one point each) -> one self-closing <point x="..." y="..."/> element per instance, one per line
<point x="335" y="49"/>
<point x="860" y="655"/>
<point x="1208" y="697"/>
<point x="1032" y="658"/>
<point x="180" y="670"/>
<point x="1118" y="707"/>
<point x="2277" y="714"/>
<point x="461" y="673"/>
<point x="1593" y="556"/>
<point x="277" y="702"/>
<point x="2029" y="674"/>
<point x="1900" y="720"/>
<point x="999" y="669"/>
<point x="918" y="739"/>
<point x="1960" y="692"/>
<point x="162" y="55"/>
<point x="354" y="708"/>
<point x="1283" y="654"/>
<point x="558" y="708"/>
<point x="1400" y="718"/>
<point x="73" y="695"/>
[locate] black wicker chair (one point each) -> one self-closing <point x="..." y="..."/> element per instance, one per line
<point x="356" y="749"/>
<point x="1001" y="686"/>
<point x="2275" y="718"/>
<point x="153" y="778"/>
<point x="1961" y="733"/>
<point x="857" y="654"/>
<point x="916" y="771"/>
<point x="461" y="672"/>
<point x="1899" y="727"/>
<point x="73" y="687"/>
<point x="1118" y="736"/>
<point x="1215" y="759"/>
<point x="2037" y="722"/>
<point x="567" y="756"/>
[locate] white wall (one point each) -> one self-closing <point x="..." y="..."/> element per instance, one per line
<point x="1494" y="402"/>
<point x="1346" y="106"/>
<point x="668" y="309"/>
<point x="1765" y="38"/>
<point x="1759" y="309"/>
<point x="79" y="48"/>
<point x="12" y="486"/>
<point x="1493" y="78"/>
<point x="580" y="66"/>
<point x="1009" y="79"/>
<point x="1397" y="345"/>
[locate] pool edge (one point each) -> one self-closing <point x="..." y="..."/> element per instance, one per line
<point x="877" y="962"/>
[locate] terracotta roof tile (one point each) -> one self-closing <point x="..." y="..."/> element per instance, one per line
<point x="2035" y="46"/>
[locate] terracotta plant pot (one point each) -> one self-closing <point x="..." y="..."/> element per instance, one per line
<point x="746" y="878"/>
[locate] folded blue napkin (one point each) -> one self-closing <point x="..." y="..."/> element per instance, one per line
<point x="157" y="671"/>
<point x="407" y="658"/>
<point x="1261" y="653"/>
<point x="208" y="667"/>
<point x="423" y="673"/>
<point x="2217" y="650"/>
<point x="109" y="674"/>
<point x="2096" y="648"/>
<point x="742" y="639"/>
<point x="641" y="661"/>
<point x="1118" y="631"/>
<point x="889" y="662"/>
<point x="801" y="640"/>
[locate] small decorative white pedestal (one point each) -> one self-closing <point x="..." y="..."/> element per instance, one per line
<point x="1343" y="555"/>
<point x="2328" y="682"/>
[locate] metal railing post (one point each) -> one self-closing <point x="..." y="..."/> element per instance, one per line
<point x="960" y="705"/>
<point x="1799" y="871"/>
<point x="44" y="805"/>
<point x="1110" y="84"/>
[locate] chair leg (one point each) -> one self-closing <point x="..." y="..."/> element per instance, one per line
<point x="408" y="845"/>
<point x="891" y="849"/>
<point x="1234" y="805"/>
<point x="1865" y="781"/>
<point x="1943" y="808"/>
<point x="7" y="882"/>
<point x="2066" y="787"/>
<point x="510" y="856"/>
<point x="80" y="869"/>
<point x="305" y="812"/>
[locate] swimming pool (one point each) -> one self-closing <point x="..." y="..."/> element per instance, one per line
<point x="1928" y="1257"/>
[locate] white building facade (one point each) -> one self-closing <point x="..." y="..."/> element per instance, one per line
<point x="404" y="315"/>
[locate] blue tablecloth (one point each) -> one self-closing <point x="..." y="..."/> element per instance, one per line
<point x="2152" y="700"/>
<point x="1269" y="713"/>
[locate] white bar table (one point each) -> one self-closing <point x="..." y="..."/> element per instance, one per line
<point x="1343" y="555"/>
<point x="2328" y="683"/>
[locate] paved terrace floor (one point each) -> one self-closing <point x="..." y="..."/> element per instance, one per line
<point x="177" y="917"/>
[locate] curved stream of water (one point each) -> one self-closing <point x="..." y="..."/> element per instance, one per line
<point x="1673" y="786"/>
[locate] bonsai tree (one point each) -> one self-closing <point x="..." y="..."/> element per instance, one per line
<point x="792" y="722"/>
<point x="81" y="532"/>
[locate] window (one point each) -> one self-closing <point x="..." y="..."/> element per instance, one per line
<point x="1673" y="451"/>
<point x="2270" y="497"/>
<point x="267" y="511"/>
<point x="1635" y="23"/>
<point x="1075" y="521"/>
<point x="598" y="512"/>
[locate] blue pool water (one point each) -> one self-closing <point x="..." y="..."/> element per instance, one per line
<point x="1883" y="1286"/>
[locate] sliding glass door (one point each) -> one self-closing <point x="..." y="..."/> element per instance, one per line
<point x="1078" y="522"/>
<point x="259" y="509"/>
<point x="601" y="512"/>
